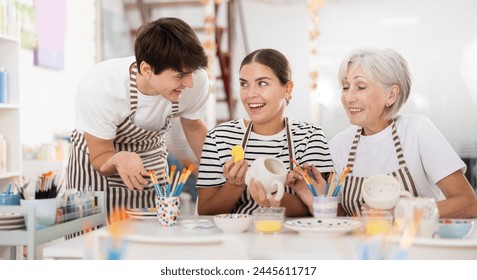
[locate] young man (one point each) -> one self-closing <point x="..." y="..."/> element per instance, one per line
<point x="124" y="107"/>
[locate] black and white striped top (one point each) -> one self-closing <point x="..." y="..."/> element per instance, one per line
<point x="310" y="146"/>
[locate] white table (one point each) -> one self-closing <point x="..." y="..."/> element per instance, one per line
<point x="148" y="240"/>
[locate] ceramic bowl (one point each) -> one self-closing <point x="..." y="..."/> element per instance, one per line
<point x="382" y="192"/>
<point x="233" y="223"/>
<point x="454" y="228"/>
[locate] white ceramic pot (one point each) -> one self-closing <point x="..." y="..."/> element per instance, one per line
<point x="382" y="192"/>
<point x="271" y="173"/>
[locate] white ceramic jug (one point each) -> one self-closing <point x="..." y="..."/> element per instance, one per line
<point x="271" y="173"/>
<point x="404" y="214"/>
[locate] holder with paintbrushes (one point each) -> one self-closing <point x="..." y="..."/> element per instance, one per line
<point x="49" y="185"/>
<point x="168" y="194"/>
<point x="175" y="185"/>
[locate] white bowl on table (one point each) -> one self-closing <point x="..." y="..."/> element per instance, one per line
<point x="233" y="223"/>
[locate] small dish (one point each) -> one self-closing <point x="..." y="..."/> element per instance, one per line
<point x="233" y="223"/>
<point x="191" y="224"/>
<point x="454" y="228"/>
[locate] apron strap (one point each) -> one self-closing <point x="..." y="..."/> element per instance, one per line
<point x="133" y="89"/>
<point x="398" y="147"/>
<point x="352" y="152"/>
<point x="291" y="149"/>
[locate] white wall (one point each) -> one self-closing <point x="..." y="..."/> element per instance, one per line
<point x="47" y="95"/>
<point x="282" y="25"/>
<point x="438" y="37"/>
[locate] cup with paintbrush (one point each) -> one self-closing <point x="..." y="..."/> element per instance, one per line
<point x="168" y="192"/>
<point x="326" y="205"/>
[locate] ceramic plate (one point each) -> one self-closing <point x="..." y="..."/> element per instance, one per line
<point x="191" y="224"/>
<point x="314" y="226"/>
<point x="10" y="227"/>
<point x="12" y="221"/>
<point x="10" y="215"/>
<point x="142" y="212"/>
<point x="139" y="217"/>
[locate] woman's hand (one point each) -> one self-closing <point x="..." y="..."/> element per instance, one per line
<point x="129" y="167"/>
<point x="235" y="172"/>
<point x="260" y="196"/>
<point x="296" y="181"/>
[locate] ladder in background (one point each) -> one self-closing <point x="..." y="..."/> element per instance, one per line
<point x="223" y="38"/>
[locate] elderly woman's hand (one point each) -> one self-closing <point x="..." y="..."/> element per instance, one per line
<point x="296" y="181"/>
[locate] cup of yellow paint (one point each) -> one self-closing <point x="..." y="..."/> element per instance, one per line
<point x="268" y="220"/>
<point x="377" y="222"/>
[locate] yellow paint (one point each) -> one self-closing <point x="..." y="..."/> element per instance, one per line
<point x="237" y="153"/>
<point x="375" y="227"/>
<point x="268" y="226"/>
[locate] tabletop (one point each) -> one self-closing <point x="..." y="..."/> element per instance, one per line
<point x="147" y="239"/>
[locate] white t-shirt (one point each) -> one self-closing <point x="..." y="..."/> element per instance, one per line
<point x="428" y="155"/>
<point x="102" y="100"/>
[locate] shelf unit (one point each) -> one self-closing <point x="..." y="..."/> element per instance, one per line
<point x="31" y="237"/>
<point x="10" y="112"/>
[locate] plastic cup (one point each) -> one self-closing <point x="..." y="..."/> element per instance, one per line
<point x="45" y="210"/>
<point x="377" y="222"/>
<point x="167" y="208"/>
<point x="268" y="220"/>
<point x="325" y="206"/>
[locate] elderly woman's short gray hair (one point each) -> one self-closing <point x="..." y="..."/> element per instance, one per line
<point x="384" y="66"/>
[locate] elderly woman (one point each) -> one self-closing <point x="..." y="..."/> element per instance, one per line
<point x="375" y="85"/>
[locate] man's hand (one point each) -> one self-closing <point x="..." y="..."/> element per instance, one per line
<point x="129" y="167"/>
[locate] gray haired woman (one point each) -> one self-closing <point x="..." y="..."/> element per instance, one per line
<point x="376" y="83"/>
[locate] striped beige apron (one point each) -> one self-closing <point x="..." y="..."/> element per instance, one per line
<point x="149" y="145"/>
<point x="246" y="204"/>
<point x="352" y="199"/>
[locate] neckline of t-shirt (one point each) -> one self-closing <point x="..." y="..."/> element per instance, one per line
<point x="148" y="97"/>
<point x="278" y="135"/>
<point x="383" y="134"/>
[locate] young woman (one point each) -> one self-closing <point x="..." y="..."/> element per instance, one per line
<point x="265" y="91"/>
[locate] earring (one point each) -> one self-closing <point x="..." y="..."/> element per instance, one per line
<point x="287" y="101"/>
